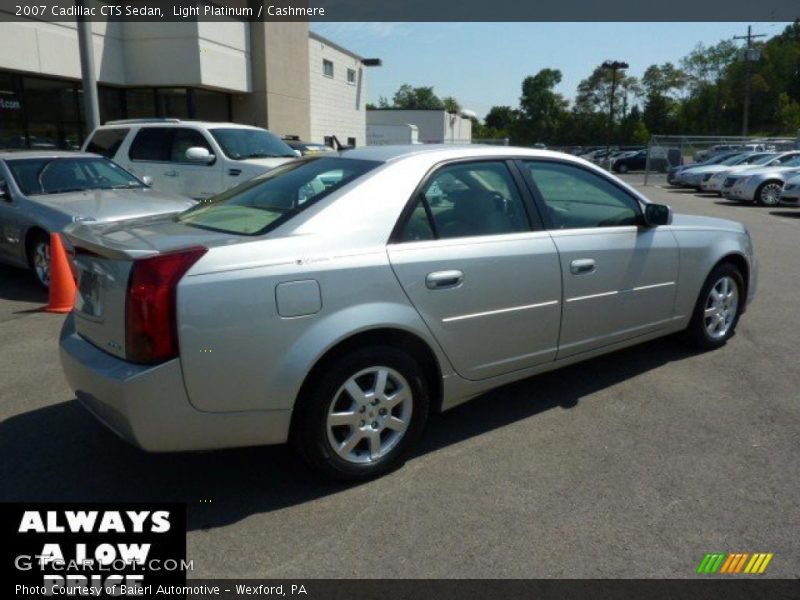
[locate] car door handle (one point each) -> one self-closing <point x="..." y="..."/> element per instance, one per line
<point x="440" y="280"/>
<point x="234" y="172"/>
<point x="582" y="266"/>
<point x="171" y="173"/>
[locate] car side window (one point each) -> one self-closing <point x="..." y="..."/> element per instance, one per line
<point x="106" y="142"/>
<point x="577" y="198"/>
<point x="183" y="139"/>
<point x="152" y="144"/>
<point x="466" y="200"/>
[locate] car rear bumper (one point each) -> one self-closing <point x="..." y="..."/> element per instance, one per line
<point x="148" y="407"/>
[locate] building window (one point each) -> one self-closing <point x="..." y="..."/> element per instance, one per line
<point x="351" y="142"/>
<point x="351" y="76"/>
<point x="327" y="68"/>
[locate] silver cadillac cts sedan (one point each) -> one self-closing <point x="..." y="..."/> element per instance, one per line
<point x="336" y="301"/>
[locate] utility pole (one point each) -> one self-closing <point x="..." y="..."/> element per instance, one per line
<point x="613" y="66"/>
<point x="749" y="56"/>
<point x="90" y="104"/>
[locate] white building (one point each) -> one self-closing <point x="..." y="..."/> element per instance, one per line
<point x="338" y="92"/>
<point x="267" y="74"/>
<point x="433" y="126"/>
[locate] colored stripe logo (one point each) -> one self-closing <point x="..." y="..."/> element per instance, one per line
<point x="734" y="563"/>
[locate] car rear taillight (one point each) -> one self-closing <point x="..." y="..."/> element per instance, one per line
<point x="151" y="323"/>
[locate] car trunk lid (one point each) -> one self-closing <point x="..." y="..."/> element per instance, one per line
<point x="104" y="257"/>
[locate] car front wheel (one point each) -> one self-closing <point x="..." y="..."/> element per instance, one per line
<point x="769" y="194"/>
<point x="39" y="259"/>
<point x="718" y="308"/>
<point x="362" y="414"/>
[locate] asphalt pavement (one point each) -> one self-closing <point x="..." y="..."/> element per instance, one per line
<point x="630" y="465"/>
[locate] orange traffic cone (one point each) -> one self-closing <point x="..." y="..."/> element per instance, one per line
<point x="62" y="285"/>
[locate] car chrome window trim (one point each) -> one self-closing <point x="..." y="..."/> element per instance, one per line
<point x="541" y="205"/>
<point x="496" y="238"/>
<point x="396" y="237"/>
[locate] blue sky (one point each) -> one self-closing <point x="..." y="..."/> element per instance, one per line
<point x="483" y="64"/>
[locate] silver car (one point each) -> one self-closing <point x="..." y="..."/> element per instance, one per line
<point x="42" y="192"/>
<point x="715" y="183"/>
<point x="336" y="301"/>
<point x="762" y="186"/>
<point x="790" y="194"/>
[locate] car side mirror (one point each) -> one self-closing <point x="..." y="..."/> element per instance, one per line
<point x="657" y="214"/>
<point x="147" y="180"/>
<point x="199" y="154"/>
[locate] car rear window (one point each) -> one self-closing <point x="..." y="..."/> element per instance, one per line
<point x="106" y="142"/>
<point x="261" y="204"/>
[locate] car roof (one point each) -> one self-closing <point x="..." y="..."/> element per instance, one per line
<point x="12" y="154"/>
<point x="174" y="123"/>
<point x="446" y="151"/>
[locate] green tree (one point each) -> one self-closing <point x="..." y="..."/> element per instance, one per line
<point x="502" y="118"/>
<point x="451" y="105"/>
<point x="417" y="98"/>
<point x="542" y="110"/>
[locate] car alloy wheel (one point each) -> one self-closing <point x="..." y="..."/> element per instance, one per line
<point x="770" y="194"/>
<point x="369" y="415"/>
<point x="718" y="306"/>
<point x="360" y="413"/>
<point x="721" y="308"/>
<point x="41" y="262"/>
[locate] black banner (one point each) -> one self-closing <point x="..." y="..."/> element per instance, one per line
<point x="399" y="10"/>
<point x="92" y="549"/>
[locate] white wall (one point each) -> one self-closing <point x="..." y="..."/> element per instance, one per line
<point x="337" y="107"/>
<point x="435" y="126"/>
<point x="134" y="54"/>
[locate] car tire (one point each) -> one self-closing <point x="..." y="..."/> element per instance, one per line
<point x="373" y="430"/>
<point x="622" y="169"/>
<point x="718" y="308"/>
<point x="38" y="250"/>
<point x="769" y="193"/>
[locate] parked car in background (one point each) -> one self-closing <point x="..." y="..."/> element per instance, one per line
<point x="790" y="194"/>
<point x="633" y="161"/>
<point x="41" y="192"/>
<point x="306" y="148"/>
<point x="714" y="183"/>
<point x="762" y="185"/>
<point x="197" y="159"/>
<point x="342" y="322"/>
<point x="675" y="174"/>
<point x="704" y="155"/>
<point x="694" y="177"/>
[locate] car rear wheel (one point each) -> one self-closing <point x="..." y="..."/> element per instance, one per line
<point x="622" y="169"/>
<point x="769" y="194"/>
<point x="718" y="308"/>
<point x="39" y="258"/>
<point x="362" y="415"/>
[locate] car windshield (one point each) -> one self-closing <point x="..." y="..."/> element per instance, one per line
<point x="269" y="200"/>
<point x="48" y="175"/>
<point x="735" y="159"/>
<point x="240" y="144"/>
<point x="795" y="162"/>
<point x="761" y="159"/>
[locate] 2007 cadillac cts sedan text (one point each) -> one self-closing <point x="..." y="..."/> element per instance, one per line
<point x="336" y="301"/>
